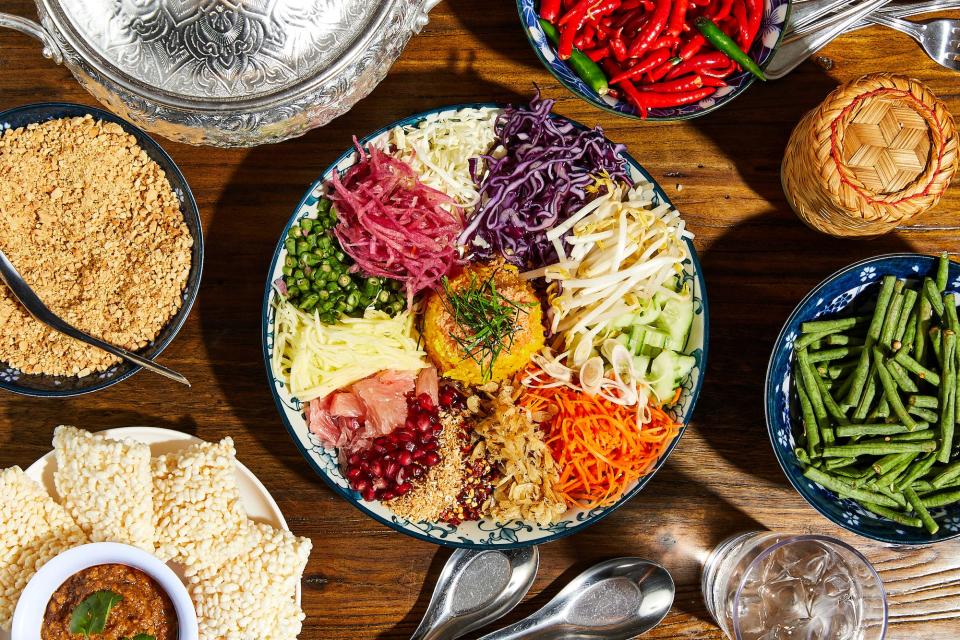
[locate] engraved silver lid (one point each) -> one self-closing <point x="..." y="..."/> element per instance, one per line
<point x="219" y="54"/>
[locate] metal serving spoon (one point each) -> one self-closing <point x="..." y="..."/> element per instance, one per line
<point x="614" y="600"/>
<point x="476" y="588"/>
<point x="22" y="292"/>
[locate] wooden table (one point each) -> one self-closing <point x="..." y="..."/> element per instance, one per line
<point x="722" y="171"/>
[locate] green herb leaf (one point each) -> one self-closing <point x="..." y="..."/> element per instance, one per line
<point x="90" y="616"/>
<point x="141" y="636"/>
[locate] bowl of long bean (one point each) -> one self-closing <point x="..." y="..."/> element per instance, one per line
<point x="863" y="398"/>
<point x="655" y="60"/>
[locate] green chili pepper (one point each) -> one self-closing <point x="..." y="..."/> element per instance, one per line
<point x="586" y="68"/>
<point x="725" y="44"/>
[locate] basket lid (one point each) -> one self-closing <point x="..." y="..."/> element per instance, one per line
<point x="216" y="51"/>
<point x="886" y="143"/>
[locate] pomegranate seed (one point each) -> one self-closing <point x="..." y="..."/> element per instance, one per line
<point x="432" y="458"/>
<point x="423" y="423"/>
<point x="437" y="430"/>
<point x="400" y="476"/>
<point x="425" y="402"/>
<point x="403" y="488"/>
<point x="416" y="471"/>
<point x="354" y="473"/>
<point x="405" y="436"/>
<point x="433" y="445"/>
<point x="378" y="449"/>
<point x="379" y="483"/>
<point x="361" y="485"/>
<point x="418" y="454"/>
<point x="369" y="494"/>
<point x="354" y="460"/>
<point x="425" y="438"/>
<point x="410" y="446"/>
<point x="446" y="397"/>
<point x="376" y="468"/>
<point x="405" y="458"/>
<point x="387" y="495"/>
<point x="391" y="469"/>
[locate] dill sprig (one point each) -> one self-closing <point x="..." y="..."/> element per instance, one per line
<point x="488" y="320"/>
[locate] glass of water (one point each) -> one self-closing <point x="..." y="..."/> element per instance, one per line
<point x="775" y="586"/>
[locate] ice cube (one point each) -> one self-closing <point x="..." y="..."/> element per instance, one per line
<point x="784" y="601"/>
<point x="814" y="563"/>
<point x="750" y="616"/>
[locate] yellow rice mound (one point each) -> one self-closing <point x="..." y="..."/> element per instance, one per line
<point x="441" y="330"/>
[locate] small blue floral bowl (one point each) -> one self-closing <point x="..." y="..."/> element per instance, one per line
<point x="49" y="386"/>
<point x="850" y="291"/>
<point x="776" y="13"/>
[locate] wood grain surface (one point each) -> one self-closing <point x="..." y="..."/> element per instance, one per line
<point x="722" y="171"/>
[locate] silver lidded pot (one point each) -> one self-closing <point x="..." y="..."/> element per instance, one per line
<point x="228" y="73"/>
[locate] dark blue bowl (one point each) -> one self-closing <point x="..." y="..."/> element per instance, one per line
<point x="776" y="13"/>
<point x="46" y="386"/>
<point x="846" y="292"/>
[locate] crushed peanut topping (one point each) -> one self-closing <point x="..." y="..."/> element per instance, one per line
<point x="93" y="226"/>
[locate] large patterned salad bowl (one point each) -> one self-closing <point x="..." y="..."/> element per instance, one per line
<point x="340" y="469"/>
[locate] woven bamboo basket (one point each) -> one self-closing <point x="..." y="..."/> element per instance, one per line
<point x="877" y="152"/>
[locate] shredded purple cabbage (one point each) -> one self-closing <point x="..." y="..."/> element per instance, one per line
<point x="540" y="182"/>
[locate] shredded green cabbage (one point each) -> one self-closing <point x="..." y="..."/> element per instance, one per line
<point x="316" y="359"/>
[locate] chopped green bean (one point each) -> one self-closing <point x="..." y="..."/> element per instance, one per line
<point x="890" y="391"/>
<point x="923" y="414"/>
<point x="928" y="523"/>
<point x="811" y="432"/>
<point x="888" y="479"/>
<point x="831" y="405"/>
<point x="840" y="485"/>
<point x="832" y="326"/>
<point x="893" y="315"/>
<point x="842" y="340"/>
<point x="906" y="313"/>
<point x="837" y="353"/>
<point x="941" y="499"/>
<point x="905" y="344"/>
<point x="868" y="395"/>
<point x="927" y="402"/>
<point x="854" y="450"/>
<point x="911" y="365"/>
<point x="809" y="377"/>
<point x="950" y="473"/>
<point x="873" y="334"/>
<point x="890" y="514"/>
<point x="901" y="377"/>
<point x="932" y="295"/>
<point x="859" y="430"/>
<point x="943" y="271"/>
<point x="948" y="392"/>
<point x="923" y="432"/>
<point x="805" y="341"/>
<point x="838" y="463"/>
<point x="917" y="470"/>
<point x="950" y="312"/>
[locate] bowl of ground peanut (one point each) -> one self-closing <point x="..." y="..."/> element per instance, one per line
<point x="102" y="225"/>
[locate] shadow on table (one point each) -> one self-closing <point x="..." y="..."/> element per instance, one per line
<point x="408" y="624"/>
<point x="497" y="26"/>
<point x="756" y="273"/>
<point x="246" y="224"/>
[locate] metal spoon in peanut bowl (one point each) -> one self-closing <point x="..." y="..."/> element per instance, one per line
<point x="288" y="270"/>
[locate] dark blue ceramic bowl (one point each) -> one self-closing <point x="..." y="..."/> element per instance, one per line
<point x="774" y="20"/>
<point x="846" y="292"/>
<point x="64" y="386"/>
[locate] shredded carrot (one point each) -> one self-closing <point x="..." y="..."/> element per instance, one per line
<point x="599" y="446"/>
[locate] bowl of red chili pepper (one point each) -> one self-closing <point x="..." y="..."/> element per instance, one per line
<point x="655" y="59"/>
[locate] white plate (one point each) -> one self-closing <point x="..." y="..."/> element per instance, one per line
<point x="257" y="501"/>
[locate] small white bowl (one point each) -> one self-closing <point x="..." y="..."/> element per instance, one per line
<point x="28" y="616"/>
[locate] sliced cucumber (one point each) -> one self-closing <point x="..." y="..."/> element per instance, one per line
<point x="676" y="318"/>
<point x="641" y="364"/>
<point x="668" y="371"/>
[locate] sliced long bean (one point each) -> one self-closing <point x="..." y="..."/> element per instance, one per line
<point x="832" y="326"/>
<point x="950" y="312"/>
<point x="948" y="391"/>
<point x="927" y="402"/>
<point x="924" y="315"/>
<point x="905" y="344"/>
<point x="890" y="514"/>
<point x="893" y="315"/>
<point x="854" y="450"/>
<point x="932" y="294"/>
<point x="901" y="377"/>
<point x="923" y="414"/>
<point x="941" y="499"/>
<point x="840" y="485"/>
<point x="809" y="339"/>
<point x="917" y="470"/>
<point x="888" y="479"/>
<point x="911" y="365"/>
<point x="906" y="313"/>
<point x="858" y="430"/>
<point x="842" y="340"/>
<point x="836" y="353"/>
<point x="928" y="522"/>
<point x="811" y="431"/>
<point x="890" y="391"/>
<point x="873" y="334"/>
<point x="831" y="405"/>
<point x="946" y="475"/>
<point x="943" y="271"/>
